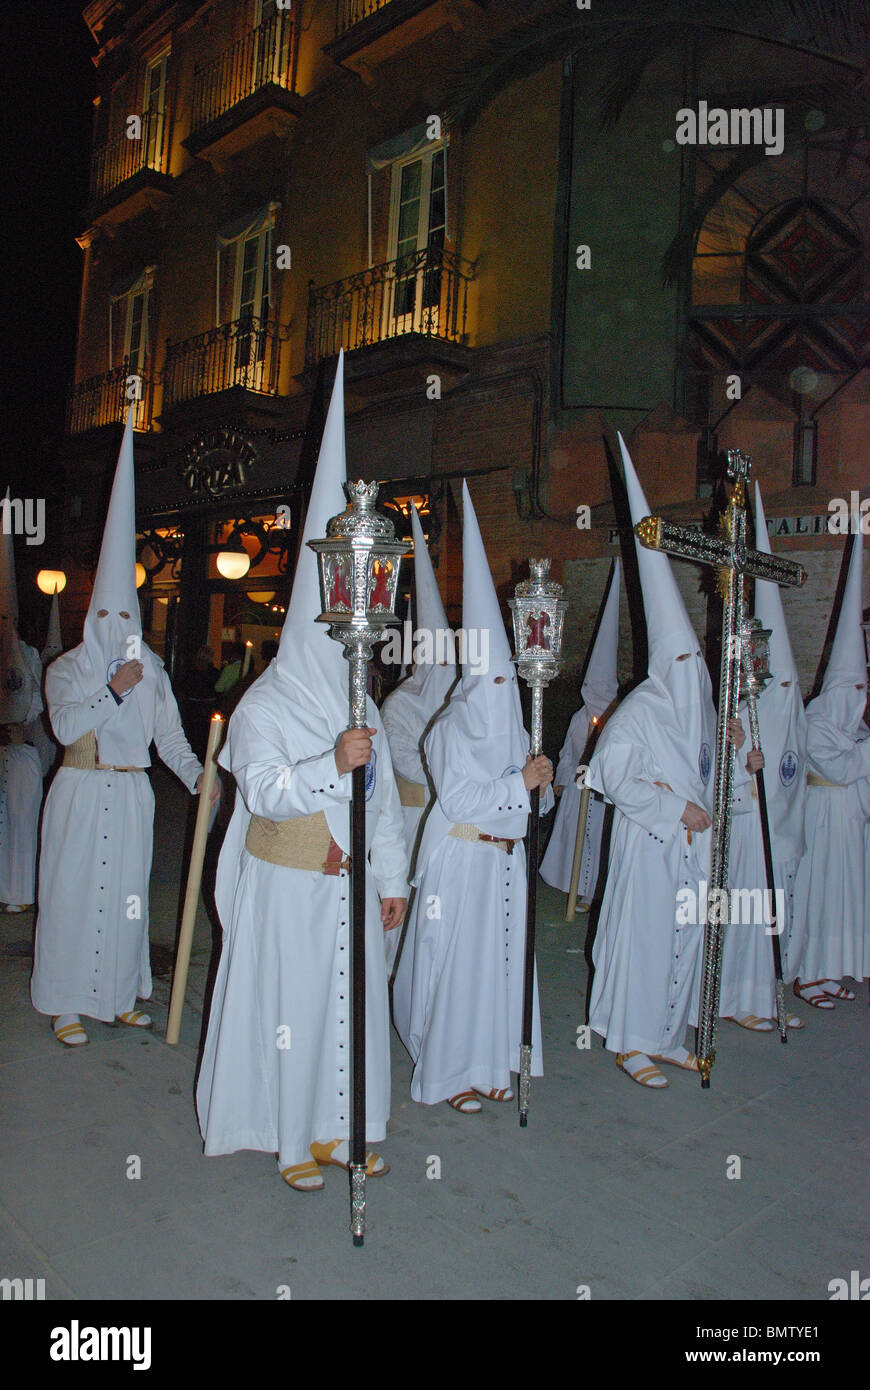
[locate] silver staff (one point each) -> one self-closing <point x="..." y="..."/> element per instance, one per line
<point x="754" y="676"/>
<point x="729" y="554"/>
<point x="359" y="574"/>
<point x="538" y="611"/>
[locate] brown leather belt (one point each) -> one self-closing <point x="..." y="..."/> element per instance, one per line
<point x="302" y="842"/>
<point x="464" y="831"/>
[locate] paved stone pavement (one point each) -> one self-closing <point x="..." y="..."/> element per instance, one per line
<point x="611" y="1187"/>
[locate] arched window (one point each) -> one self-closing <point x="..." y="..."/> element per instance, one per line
<point x="780" y="286"/>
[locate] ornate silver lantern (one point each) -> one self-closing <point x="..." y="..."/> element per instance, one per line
<point x="754" y="657"/>
<point x="538" y="611"/>
<point x="359" y="575"/>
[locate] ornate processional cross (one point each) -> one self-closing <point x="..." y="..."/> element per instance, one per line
<point x="734" y="561"/>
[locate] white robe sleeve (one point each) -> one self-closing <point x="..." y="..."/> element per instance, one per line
<point x="404" y="749"/>
<point x="272" y="787"/>
<point x="616" y="770"/>
<point x="71" y="716"/>
<point x="464" y="801"/>
<point x="841" y="766"/>
<point x="742" y="783"/>
<point x="572" y="749"/>
<point x="388" y="853"/>
<point x="169" y="736"/>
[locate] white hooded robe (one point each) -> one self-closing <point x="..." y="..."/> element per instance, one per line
<point x="458" y="993"/>
<point x="275" y="1072"/>
<point x="599" y="690"/>
<point x="91" y="953"/>
<point x="646" y="957"/>
<point x="831" y="933"/>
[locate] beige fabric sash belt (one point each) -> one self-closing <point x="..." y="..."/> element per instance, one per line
<point x="470" y="832"/>
<point x="303" y="842"/>
<point x="84" y="755"/>
<point x="411" y="793"/>
<point x="814" y="780"/>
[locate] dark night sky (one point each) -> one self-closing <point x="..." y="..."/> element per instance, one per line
<point x="48" y="85"/>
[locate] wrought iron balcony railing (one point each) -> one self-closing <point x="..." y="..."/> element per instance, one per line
<point x="425" y="292"/>
<point x="105" y="400"/>
<point x="350" y="12"/>
<point x="123" y="157"/>
<point x="244" y="353"/>
<point x="265" y="55"/>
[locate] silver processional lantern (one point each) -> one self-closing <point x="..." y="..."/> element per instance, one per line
<point x="538" y="611"/>
<point x="358" y="565"/>
<point x="359" y="577"/>
<point x="755" y="657"/>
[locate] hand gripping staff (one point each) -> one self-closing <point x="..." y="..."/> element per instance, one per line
<point x="538" y="611"/>
<point x="358" y="565"/>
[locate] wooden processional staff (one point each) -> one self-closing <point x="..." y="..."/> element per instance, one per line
<point x="194" y="879"/>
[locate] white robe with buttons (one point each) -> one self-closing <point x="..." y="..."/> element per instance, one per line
<point x="559" y="858"/>
<point x="91" y="954"/>
<point x="404" y="719"/>
<point x="275" y="1073"/>
<point x="831" y="933"/>
<point x="647" y="962"/>
<point x="21" y="773"/>
<point x="748" y="980"/>
<point x="458" y="993"/>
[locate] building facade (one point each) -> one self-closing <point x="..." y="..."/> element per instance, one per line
<point x="492" y="208"/>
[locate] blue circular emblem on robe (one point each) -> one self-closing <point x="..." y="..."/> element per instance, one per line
<point x="508" y="770"/>
<point x="371" y="775"/>
<point x="116" y="666"/>
<point x="788" y="767"/>
<point x="704" y="763"/>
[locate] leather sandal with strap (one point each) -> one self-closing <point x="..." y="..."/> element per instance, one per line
<point x="135" y="1018"/>
<point x="839" y="990"/>
<point x="300" y="1176"/>
<point x="465" y="1102"/>
<point x="504" y="1094"/>
<point x="71" y="1034"/>
<point x="811" y="993"/>
<point x="751" y="1022"/>
<point x="323" y="1154"/>
<point x="689" y="1062"/>
<point x="648" y="1075"/>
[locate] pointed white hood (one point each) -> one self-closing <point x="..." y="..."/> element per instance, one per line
<point x="670" y="716"/>
<point x="309" y="659"/>
<point x="18" y="690"/>
<point x="842" y="701"/>
<point x="430" y="681"/>
<point x="113" y="627"/>
<point x="308" y="680"/>
<point x="781" y="718"/>
<point x="53" y="640"/>
<point x="107" y="632"/>
<point x="486" y="715"/>
<point x="600" y="684"/>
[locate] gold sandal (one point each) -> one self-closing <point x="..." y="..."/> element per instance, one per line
<point x="295" y="1174"/>
<point x="322" y="1154"/>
